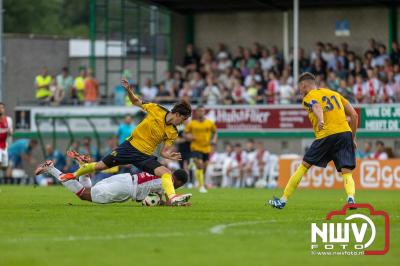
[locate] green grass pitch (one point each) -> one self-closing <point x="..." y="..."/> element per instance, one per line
<point x="50" y="226"/>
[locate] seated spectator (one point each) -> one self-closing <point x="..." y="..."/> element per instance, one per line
<point x="186" y="92"/>
<point x="253" y="76"/>
<point x="380" y="153"/>
<point x="386" y="94"/>
<point x="373" y="86"/>
<point x="125" y="129"/>
<point x="197" y="84"/>
<point x="366" y="153"/>
<point x="211" y="94"/>
<point x="91" y="89"/>
<point x="252" y="93"/>
<point x="250" y="61"/>
<point x="223" y="61"/>
<point x="266" y="60"/>
<point x="42" y="86"/>
<point x="148" y="91"/>
<point x="163" y="95"/>
<point x="65" y="82"/>
<point x="239" y="94"/>
<point x="346" y="91"/>
<point x="379" y="60"/>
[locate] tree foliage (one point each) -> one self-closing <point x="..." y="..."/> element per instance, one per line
<point x="50" y="17"/>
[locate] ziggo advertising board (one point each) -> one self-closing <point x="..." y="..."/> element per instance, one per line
<point x="369" y="174"/>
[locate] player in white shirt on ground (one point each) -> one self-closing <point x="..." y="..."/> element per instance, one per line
<point x="117" y="188"/>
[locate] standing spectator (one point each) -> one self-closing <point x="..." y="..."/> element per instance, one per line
<point x="238" y="56"/>
<point x="373" y="86"/>
<point x="6" y="131"/>
<point x="250" y="61"/>
<point x="65" y="82"/>
<point x="395" y="54"/>
<point x="191" y="59"/>
<point x="197" y="84"/>
<point x="42" y="86"/>
<point x="21" y="151"/>
<point x="286" y="91"/>
<point x="272" y="88"/>
<point x="380" y="153"/>
<point x="91" y="86"/>
<point x="148" y="91"/>
<point x="211" y="93"/>
<point x="119" y="91"/>
<point x="79" y="87"/>
<point x="373" y="47"/>
<point x="125" y="129"/>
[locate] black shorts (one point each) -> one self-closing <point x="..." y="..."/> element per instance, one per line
<point x="338" y="148"/>
<point x="127" y="154"/>
<point x="200" y="155"/>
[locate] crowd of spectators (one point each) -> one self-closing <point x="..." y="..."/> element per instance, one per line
<point x="255" y="75"/>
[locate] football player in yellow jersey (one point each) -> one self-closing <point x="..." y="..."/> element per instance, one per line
<point x="335" y="137"/>
<point x="159" y="126"/>
<point x="202" y="133"/>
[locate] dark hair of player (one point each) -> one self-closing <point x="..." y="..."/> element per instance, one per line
<point x="306" y="76"/>
<point x="183" y="108"/>
<point x="180" y="175"/>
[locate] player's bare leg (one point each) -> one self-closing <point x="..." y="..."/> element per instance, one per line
<point x="72" y="185"/>
<point x="168" y="186"/>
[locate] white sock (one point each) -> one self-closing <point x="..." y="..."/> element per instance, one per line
<point x="73" y="186"/>
<point x="85" y="181"/>
<point x="54" y="172"/>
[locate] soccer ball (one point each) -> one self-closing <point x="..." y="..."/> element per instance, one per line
<point x="151" y="200"/>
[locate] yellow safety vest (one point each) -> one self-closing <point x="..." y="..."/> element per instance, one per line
<point x="80" y="87"/>
<point x="43" y="92"/>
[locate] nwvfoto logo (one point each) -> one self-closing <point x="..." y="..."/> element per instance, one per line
<point x="337" y="237"/>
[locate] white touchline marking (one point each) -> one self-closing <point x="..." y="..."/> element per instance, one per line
<point x="219" y="229"/>
<point x="85" y="238"/>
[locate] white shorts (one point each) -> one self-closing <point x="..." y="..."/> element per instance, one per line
<point x="116" y="188"/>
<point x="3" y="158"/>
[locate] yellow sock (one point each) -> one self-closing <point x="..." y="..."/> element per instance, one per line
<point x="85" y="169"/>
<point x="200" y="177"/>
<point x="349" y="184"/>
<point x="294" y="181"/>
<point x="167" y="185"/>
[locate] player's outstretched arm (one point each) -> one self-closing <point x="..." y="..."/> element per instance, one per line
<point x="349" y="111"/>
<point x="135" y="100"/>
<point x="319" y="113"/>
<point x="168" y="153"/>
